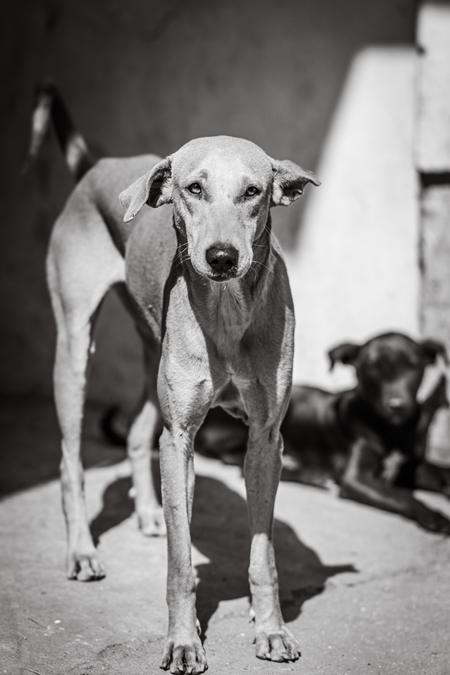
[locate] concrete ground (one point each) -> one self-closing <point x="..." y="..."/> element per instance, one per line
<point x="364" y="591"/>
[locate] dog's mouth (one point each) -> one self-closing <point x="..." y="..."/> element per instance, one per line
<point x="219" y="276"/>
<point x="222" y="273"/>
<point x="397" y="419"/>
<point x="400" y="416"/>
<point x="235" y="272"/>
<point x="231" y="273"/>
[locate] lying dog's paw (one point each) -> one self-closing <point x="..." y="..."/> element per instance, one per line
<point x="432" y="520"/>
<point x="279" y="645"/>
<point x="85" y="566"/>
<point x="185" y="658"/>
<point x="151" y="522"/>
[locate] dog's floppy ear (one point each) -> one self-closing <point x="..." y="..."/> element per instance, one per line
<point x="346" y="353"/>
<point x="289" y="180"/>
<point x="154" y="189"/>
<point x="431" y="349"/>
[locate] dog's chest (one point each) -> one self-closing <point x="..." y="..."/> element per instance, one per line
<point x="227" y="316"/>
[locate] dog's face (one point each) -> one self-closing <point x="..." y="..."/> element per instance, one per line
<point x="221" y="189"/>
<point x="390" y="369"/>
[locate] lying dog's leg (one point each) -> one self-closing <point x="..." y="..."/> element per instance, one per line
<point x="140" y="443"/>
<point x="262" y="469"/>
<point x="361" y="482"/>
<point x="432" y="477"/>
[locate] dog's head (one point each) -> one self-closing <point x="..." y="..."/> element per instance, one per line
<point x="221" y="189"/>
<point x="390" y="369"/>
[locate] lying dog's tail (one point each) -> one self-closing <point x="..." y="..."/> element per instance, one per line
<point x="50" y="107"/>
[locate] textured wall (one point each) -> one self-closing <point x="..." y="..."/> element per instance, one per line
<point x="147" y="76"/>
<point x="433" y="91"/>
<point x="432" y="153"/>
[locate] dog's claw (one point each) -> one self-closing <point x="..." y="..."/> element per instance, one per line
<point x="277" y="646"/>
<point x="85" y="567"/>
<point x="183" y="659"/>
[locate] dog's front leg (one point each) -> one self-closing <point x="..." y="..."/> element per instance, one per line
<point x="274" y="641"/>
<point x="185" y="395"/>
<point x="361" y="482"/>
<point x="183" y="652"/>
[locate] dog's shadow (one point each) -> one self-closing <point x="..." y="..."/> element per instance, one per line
<point x="220" y="532"/>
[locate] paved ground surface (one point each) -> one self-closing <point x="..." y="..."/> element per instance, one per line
<point x="364" y="591"/>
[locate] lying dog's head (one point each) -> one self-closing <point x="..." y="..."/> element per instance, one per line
<point x="221" y="189"/>
<point x="390" y="369"/>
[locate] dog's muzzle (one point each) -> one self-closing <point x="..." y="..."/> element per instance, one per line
<point x="398" y="410"/>
<point x="222" y="261"/>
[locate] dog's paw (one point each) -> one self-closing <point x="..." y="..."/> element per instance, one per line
<point x="277" y="645"/>
<point x="85" y="566"/>
<point x="184" y="658"/>
<point x="432" y="520"/>
<point x="151" y="522"/>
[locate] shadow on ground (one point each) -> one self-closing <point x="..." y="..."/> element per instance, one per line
<point x="220" y="532"/>
<point x="31" y="456"/>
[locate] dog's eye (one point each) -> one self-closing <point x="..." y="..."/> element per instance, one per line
<point x="195" y="188"/>
<point x="252" y="191"/>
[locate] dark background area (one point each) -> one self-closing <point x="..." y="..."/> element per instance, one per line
<point x="147" y="77"/>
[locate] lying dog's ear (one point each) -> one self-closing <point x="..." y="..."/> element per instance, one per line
<point x="433" y="348"/>
<point x="289" y="180"/>
<point x="346" y="353"/>
<point x="154" y="189"/>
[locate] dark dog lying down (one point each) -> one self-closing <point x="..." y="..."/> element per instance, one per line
<point x="370" y="440"/>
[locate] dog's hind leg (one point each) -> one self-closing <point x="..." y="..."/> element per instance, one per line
<point x="81" y="266"/>
<point x="142" y="440"/>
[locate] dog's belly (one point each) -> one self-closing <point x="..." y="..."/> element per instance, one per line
<point x="231" y="401"/>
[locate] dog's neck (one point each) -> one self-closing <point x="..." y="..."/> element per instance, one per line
<point x="225" y="310"/>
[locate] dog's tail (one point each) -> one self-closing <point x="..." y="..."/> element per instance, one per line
<point x="50" y="107"/>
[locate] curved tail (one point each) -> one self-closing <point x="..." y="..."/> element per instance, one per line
<point x="50" y="107"/>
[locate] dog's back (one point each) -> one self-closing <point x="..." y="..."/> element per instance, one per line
<point x="93" y="212"/>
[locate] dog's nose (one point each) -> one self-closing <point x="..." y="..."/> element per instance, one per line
<point x="222" y="259"/>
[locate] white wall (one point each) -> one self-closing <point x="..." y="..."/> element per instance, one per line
<point x="354" y="271"/>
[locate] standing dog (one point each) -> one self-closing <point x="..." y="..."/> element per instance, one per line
<point x="206" y="283"/>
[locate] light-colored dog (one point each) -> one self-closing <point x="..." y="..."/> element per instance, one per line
<point x="205" y="280"/>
